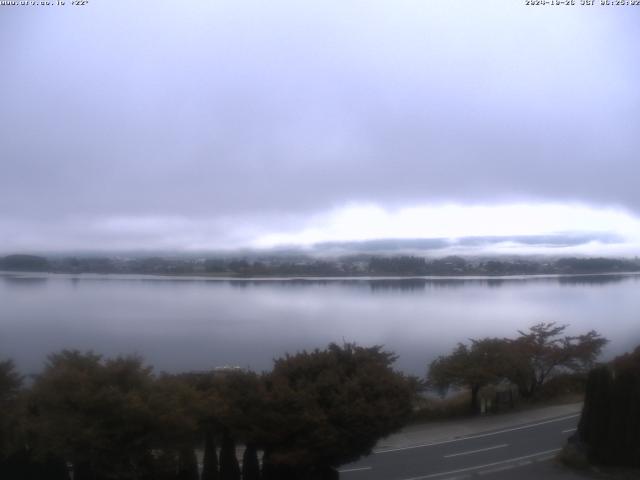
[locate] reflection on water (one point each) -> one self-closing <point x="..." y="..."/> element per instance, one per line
<point x="596" y="279"/>
<point x="23" y="281"/>
<point x="195" y="323"/>
<point x="374" y="283"/>
<point x="421" y="283"/>
<point x="405" y="284"/>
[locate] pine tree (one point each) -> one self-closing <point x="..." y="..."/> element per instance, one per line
<point x="210" y="461"/>
<point x="610" y="421"/>
<point x="250" y="464"/>
<point x="594" y="426"/>
<point x="229" y="468"/>
<point x="624" y="441"/>
<point x="187" y="464"/>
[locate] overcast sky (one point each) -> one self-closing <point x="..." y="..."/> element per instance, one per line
<point x="209" y="124"/>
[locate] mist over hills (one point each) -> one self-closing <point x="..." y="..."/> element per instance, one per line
<point x="564" y="244"/>
<point x="440" y="246"/>
<point x="488" y="255"/>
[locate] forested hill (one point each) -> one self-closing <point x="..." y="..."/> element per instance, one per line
<point x="24" y="263"/>
<point x="355" y="265"/>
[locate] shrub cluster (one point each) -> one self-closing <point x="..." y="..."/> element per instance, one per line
<point x="115" y="419"/>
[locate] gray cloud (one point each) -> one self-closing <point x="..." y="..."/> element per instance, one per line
<point x="246" y="116"/>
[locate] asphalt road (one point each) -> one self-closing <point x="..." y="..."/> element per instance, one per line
<point x="522" y="452"/>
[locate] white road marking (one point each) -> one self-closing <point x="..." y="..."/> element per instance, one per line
<point x="496" y="470"/>
<point x="569" y="430"/>
<point x="476" y="451"/>
<point x="543" y="459"/>
<point x="478" y="467"/>
<point x="359" y="469"/>
<point x="481" y="435"/>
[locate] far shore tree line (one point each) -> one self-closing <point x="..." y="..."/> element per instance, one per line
<point x="113" y="418"/>
<point x="301" y="265"/>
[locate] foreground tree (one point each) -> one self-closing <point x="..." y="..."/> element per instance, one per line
<point x="18" y="460"/>
<point x="527" y="361"/>
<point x="95" y="413"/>
<point x="176" y="408"/>
<point x="210" y="457"/>
<point x="481" y="363"/>
<point x="233" y="403"/>
<point x="204" y="385"/>
<point x="609" y="428"/>
<point x="187" y="464"/>
<point x="14" y="457"/>
<point x="250" y="463"/>
<point x="229" y="467"/>
<point x="10" y="384"/>
<point x="329" y="407"/>
<point x="543" y="351"/>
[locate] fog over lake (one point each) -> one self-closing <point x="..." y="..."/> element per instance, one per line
<point x="182" y="324"/>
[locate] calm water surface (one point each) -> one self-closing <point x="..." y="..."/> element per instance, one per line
<point x="182" y="324"/>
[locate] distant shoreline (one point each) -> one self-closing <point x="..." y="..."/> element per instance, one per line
<point x="401" y="267"/>
<point x="214" y="277"/>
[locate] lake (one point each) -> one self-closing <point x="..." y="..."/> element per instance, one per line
<point x="180" y="324"/>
